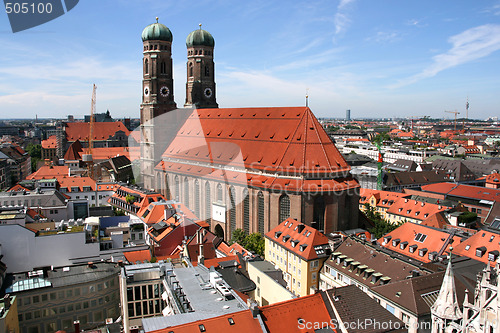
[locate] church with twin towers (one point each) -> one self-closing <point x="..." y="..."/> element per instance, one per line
<point x="246" y="168"/>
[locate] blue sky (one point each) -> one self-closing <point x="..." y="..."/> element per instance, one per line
<point x="379" y="58"/>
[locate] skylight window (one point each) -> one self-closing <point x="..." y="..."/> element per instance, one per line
<point x="420" y="237"/>
<point x="467" y="248"/>
<point x="231" y="321"/>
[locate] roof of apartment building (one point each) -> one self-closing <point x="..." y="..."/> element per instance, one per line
<point x="458" y="170"/>
<point x="419" y="242"/>
<point x="139" y="198"/>
<point x="413" y="209"/>
<point x="101" y="131"/>
<point x="418" y="294"/>
<point x="283" y="140"/>
<point x="415" y="178"/>
<point x="383" y="199"/>
<point x="50" y="142"/>
<point x="464" y="191"/>
<point x="238" y="322"/>
<point x="483" y="246"/>
<point x="354" y="306"/>
<point x="139" y="256"/>
<point x="76" y="184"/>
<point x="402" y="165"/>
<point x="49" y="171"/>
<point x="304" y="241"/>
<point x="287" y="316"/>
<point x="361" y="260"/>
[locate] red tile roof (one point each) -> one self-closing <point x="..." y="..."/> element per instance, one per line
<point x="464" y="191"/>
<point x="436" y="220"/>
<point x="102" y="130"/>
<point x="74" y="152"/>
<point x="49" y="172"/>
<point x="297" y="238"/>
<point x="413" y="209"/>
<point x="215" y="261"/>
<point x="383" y="199"/>
<point x="418" y="237"/>
<point x="105" y="153"/>
<point x="50" y="142"/>
<point x="237" y="322"/>
<point x="494" y="178"/>
<point x="135" y="256"/>
<point x="72" y="182"/>
<point x="487" y="242"/>
<point x="285" y="140"/>
<point x="284" y="316"/>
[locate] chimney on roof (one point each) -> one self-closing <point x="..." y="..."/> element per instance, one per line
<point x="253" y="307"/>
<point x="300" y="227"/>
<point x="6" y="300"/>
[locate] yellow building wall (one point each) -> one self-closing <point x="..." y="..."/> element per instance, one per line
<point x="10" y="323"/>
<point x="267" y="291"/>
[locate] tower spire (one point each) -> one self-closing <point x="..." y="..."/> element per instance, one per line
<point x="446" y="306"/>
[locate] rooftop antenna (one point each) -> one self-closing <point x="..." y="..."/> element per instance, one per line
<point x="307" y="97"/>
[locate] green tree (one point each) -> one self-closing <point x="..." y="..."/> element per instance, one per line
<point x="35" y="151"/>
<point x="467" y="218"/>
<point x="255" y="243"/>
<point x="382" y="226"/>
<point x="239" y="237"/>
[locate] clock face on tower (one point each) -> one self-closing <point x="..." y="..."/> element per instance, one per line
<point x="164" y="91"/>
<point x="208" y="92"/>
<point x="146" y="91"/>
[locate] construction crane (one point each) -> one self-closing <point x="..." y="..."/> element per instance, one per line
<point x="379" y="166"/>
<point x="87" y="158"/>
<point x="455" y="112"/>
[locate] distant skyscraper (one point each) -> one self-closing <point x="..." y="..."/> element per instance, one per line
<point x="348" y="115"/>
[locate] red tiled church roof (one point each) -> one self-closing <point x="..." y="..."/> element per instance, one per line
<point x="282" y="140"/>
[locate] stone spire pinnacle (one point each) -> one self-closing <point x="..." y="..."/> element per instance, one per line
<point x="446" y="305"/>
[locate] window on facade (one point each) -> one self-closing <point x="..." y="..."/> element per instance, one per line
<point x="232" y="214"/>
<point x="163" y="68"/>
<point x="177" y="187"/>
<point x="146" y="66"/>
<point x="284" y="207"/>
<point x="208" y="202"/>
<point x="190" y="69"/>
<point x="197" y="197"/>
<point x="207" y="71"/>
<point x="260" y="198"/>
<point x="186" y="191"/>
<point x="219" y="193"/>
<point x="246" y="212"/>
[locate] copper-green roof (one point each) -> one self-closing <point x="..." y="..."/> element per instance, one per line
<point x="200" y="37"/>
<point x="157" y="31"/>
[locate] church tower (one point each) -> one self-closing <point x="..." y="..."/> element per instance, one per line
<point x="157" y="95"/>
<point x="200" y="84"/>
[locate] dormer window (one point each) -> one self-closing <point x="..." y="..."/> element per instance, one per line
<point x="416" y="213"/>
<point x="492" y="255"/>
<point x="408" y="211"/>
<point x="395" y="242"/>
<point x="387" y="239"/>
<point x="432" y="255"/>
<point x="286" y="238"/>
<point x="480" y="251"/>
<point x="294" y="243"/>
<point x="400" y="209"/>
<point x="403" y="245"/>
<point x="412" y="248"/>
<point x="302" y="247"/>
<point x="422" y="252"/>
<point x="277" y="234"/>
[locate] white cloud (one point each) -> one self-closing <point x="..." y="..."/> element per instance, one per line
<point x="342" y="19"/>
<point x="469" y="45"/>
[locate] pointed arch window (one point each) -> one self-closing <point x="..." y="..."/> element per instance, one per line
<point x="219" y="193"/>
<point x="186" y="191"/>
<point x="232" y="214"/>
<point x="146" y="66"/>
<point x="163" y="68"/>
<point x="177" y="187"/>
<point x="197" y="198"/>
<point x="207" y="70"/>
<point x="260" y="213"/>
<point x="284" y="207"/>
<point x="208" y="202"/>
<point x="246" y="212"/>
<point x="190" y="69"/>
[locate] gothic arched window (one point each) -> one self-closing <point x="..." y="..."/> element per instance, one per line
<point x="260" y="213"/>
<point x="246" y="212"/>
<point x="284" y="207"/>
<point x="146" y="66"/>
<point x="163" y="67"/>
<point x="190" y="69"/>
<point x="207" y="71"/>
